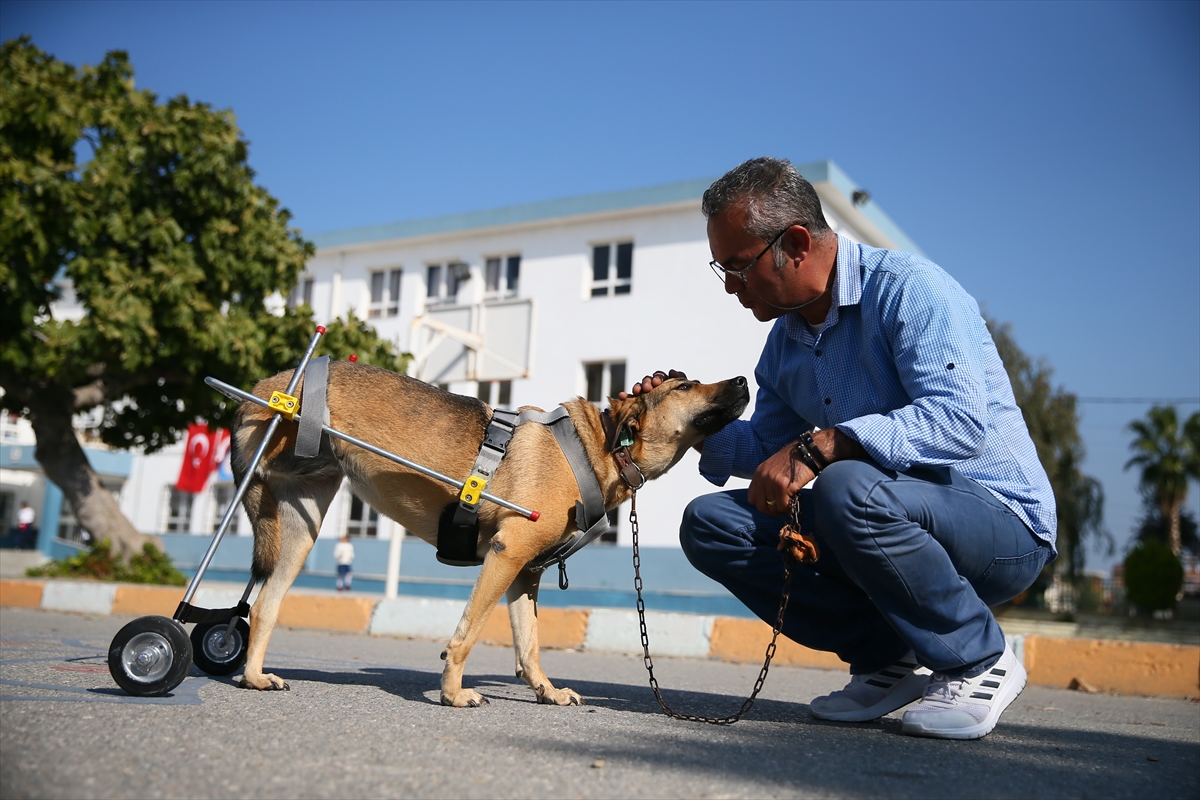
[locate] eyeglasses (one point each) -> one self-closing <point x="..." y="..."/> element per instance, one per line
<point x="740" y="274"/>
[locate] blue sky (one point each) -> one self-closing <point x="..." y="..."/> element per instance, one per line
<point x="1046" y="154"/>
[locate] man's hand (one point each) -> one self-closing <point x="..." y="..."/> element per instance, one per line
<point x="776" y="480"/>
<point x="784" y="474"/>
<point x="651" y="381"/>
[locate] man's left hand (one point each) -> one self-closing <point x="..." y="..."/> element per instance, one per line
<point x="776" y="480"/>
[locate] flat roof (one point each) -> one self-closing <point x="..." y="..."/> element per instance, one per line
<point x="816" y="172"/>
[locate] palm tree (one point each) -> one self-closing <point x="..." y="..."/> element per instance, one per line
<point x="1167" y="460"/>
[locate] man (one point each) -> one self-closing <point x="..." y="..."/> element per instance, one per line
<point x="931" y="505"/>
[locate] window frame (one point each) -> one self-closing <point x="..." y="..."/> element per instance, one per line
<point x="386" y="301"/>
<point x="447" y="273"/>
<point x="501" y="276"/>
<point x="366" y="527"/>
<point x="613" y="284"/>
<point x="301" y="293"/>
<point x="610" y="372"/>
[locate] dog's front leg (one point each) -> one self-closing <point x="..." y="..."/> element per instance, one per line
<point x="522" y="613"/>
<point x="499" y="570"/>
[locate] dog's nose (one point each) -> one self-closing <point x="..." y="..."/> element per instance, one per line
<point x="739" y="381"/>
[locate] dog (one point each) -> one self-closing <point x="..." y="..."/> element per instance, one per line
<point x="289" y="495"/>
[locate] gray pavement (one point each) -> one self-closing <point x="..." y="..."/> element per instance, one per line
<point x="362" y="720"/>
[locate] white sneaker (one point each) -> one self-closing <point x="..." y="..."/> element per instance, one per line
<point x="870" y="696"/>
<point x="966" y="708"/>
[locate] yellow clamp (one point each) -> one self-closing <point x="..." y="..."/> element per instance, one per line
<point x="285" y="404"/>
<point x="472" y="491"/>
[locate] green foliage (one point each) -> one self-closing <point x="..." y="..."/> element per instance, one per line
<point x="1153" y="525"/>
<point x="99" y="563"/>
<point x="1168" y="455"/>
<point x="148" y="212"/>
<point x="1053" y="420"/>
<point x="1153" y="576"/>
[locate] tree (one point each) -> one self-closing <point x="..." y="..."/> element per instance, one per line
<point x="1053" y="421"/>
<point x="148" y="212"/>
<point x="1154" y="526"/>
<point x="1168" y="455"/>
<point x="1153" y="576"/>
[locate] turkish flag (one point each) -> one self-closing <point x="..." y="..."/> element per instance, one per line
<point x="198" y="460"/>
<point x="220" y="443"/>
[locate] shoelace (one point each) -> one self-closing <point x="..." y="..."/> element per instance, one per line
<point x="945" y="690"/>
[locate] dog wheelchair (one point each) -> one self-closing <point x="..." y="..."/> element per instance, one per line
<point x="151" y="655"/>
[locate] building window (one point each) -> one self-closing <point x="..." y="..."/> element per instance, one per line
<point x="604" y="379"/>
<point x="179" y="511"/>
<point x="502" y="275"/>
<point x="612" y="269"/>
<point x="364" y="520"/>
<point x="497" y="394"/>
<point x="223" y="494"/>
<point x="301" y="293"/>
<point x="442" y="281"/>
<point x="385" y="293"/>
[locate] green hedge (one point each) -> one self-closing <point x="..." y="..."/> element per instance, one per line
<point x="98" y="562"/>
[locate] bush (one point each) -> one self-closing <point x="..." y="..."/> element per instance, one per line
<point x="1153" y="576"/>
<point x="97" y="562"/>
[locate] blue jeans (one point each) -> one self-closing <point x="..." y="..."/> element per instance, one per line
<point x="907" y="560"/>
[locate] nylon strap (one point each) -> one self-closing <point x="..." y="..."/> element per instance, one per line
<point x="316" y="411"/>
<point x="590" y="516"/>
<point x="491" y="452"/>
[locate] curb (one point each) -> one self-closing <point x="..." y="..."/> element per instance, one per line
<point x="1088" y="664"/>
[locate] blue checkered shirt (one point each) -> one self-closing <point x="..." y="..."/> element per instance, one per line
<point x="905" y="366"/>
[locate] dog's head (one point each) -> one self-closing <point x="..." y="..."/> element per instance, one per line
<point x="676" y="415"/>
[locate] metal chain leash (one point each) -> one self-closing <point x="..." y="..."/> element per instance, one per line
<point x="641" y="607"/>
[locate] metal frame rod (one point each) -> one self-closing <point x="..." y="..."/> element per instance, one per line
<point x="249" y="476"/>
<point x="238" y="394"/>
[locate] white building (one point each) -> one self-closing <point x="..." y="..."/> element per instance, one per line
<point x="533" y="305"/>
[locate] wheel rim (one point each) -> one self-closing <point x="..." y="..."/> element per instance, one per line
<point x="147" y="657"/>
<point x="220" y="647"/>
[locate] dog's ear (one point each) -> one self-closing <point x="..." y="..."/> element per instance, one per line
<point x="626" y="417"/>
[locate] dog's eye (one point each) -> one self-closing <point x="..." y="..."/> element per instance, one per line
<point x="684" y="386"/>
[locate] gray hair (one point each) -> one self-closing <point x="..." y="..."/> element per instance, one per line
<point x="774" y="196"/>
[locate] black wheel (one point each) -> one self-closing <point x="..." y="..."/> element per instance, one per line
<point x="150" y="656"/>
<point x="214" y="652"/>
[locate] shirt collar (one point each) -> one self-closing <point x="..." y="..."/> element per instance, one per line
<point x="847" y="289"/>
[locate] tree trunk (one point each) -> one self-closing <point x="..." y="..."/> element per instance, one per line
<point x="1173" y="513"/>
<point x="62" y="457"/>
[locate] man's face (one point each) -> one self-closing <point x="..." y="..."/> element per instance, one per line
<point x="735" y="249"/>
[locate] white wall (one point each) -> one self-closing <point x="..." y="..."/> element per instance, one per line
<point x="676" y="316"/>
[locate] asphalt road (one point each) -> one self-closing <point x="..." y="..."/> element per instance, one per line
<point x="363" y="720"/>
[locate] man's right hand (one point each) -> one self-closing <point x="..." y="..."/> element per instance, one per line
<point x="651" y="381"/>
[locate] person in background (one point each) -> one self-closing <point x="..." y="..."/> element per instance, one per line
<point x="343" y="554"/>
<point x="25" y="529"/>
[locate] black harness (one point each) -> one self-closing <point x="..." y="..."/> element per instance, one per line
<point x="458" y="527"/>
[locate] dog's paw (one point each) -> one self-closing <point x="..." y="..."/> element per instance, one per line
<point x="265" y="683"/>
<point x="465" y="698"/>
<point x="558" y="697"/>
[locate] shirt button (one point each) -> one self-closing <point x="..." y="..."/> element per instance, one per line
<point x="817" y="352"/>
<point x="828" y="401"/>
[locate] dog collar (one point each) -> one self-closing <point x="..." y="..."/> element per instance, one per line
<point x="620" y="442"/>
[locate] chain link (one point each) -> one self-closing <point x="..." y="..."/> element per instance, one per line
<point x="641" y="608"/>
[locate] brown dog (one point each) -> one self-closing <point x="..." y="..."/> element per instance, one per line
<point x="290" y="495"/>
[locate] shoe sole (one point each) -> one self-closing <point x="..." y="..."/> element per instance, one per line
<point x="905" y="691"/>
<point x="975" y="731"/>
